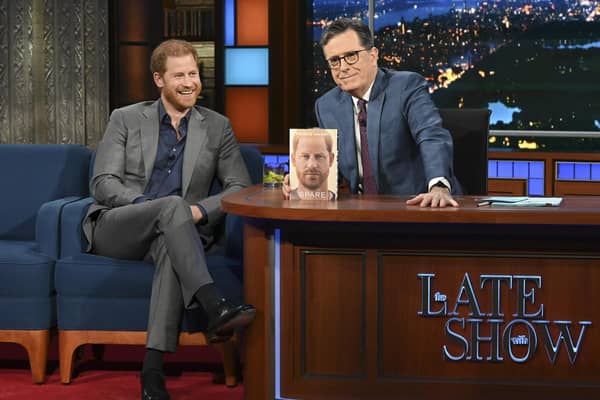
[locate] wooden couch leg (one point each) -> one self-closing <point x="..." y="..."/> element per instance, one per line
<point x="67" y="344"/>
<point x="36" y="343"/>
<point x="230" y="361"/>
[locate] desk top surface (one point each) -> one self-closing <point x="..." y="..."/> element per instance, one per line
<point x="259" y="202"/>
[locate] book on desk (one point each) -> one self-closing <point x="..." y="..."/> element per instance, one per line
<point x="313" y="164"/>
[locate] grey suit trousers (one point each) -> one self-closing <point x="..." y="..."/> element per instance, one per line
<point x="160" y="231"/>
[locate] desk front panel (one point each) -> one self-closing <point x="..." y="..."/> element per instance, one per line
<point x="378" y="312"/>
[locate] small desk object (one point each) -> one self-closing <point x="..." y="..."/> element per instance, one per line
<point x="368" y="298"/>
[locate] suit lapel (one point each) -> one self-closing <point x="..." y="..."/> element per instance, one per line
<point x="149" y="138"/>
<point x="374" y="114"/>
<point x="195" y="142"/>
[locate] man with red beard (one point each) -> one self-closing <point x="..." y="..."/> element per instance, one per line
<point x="152" y="175"/>
<point x="312" y="156"/>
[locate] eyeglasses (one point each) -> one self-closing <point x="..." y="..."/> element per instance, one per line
<point x="350" y="57"/>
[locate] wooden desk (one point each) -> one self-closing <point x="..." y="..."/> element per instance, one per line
<point x="366" y="298"/>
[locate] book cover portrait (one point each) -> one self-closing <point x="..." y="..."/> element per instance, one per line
<point x="313" y="164"/>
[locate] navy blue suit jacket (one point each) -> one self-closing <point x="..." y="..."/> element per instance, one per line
<point x="407" y="144"/>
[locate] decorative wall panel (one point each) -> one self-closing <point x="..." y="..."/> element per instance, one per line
<point x="53" y="71"/>
<point x="4" y="95"/>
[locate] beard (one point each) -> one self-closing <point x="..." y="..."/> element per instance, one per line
<point x="313" y="180"/>
<point x="178" y="101"/>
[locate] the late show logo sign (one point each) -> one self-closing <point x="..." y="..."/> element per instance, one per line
<point x="527" y="319"/>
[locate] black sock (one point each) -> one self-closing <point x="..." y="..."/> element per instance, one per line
<point x="208" y="296"/>
<point x="153" y="360"/>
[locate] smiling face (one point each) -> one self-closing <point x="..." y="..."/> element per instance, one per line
<point x="312" y="160"/>
<point x="356" y="78"/>
<point x="180" y="84"/>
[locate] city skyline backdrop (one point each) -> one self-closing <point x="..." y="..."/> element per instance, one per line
<point x="533" y="63"/>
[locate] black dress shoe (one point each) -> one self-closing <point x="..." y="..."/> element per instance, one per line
<point x="153" y="386"/>
<point x="218" y="337"/>
<point x="225" y="317"/>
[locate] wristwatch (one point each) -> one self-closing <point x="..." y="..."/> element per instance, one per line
<point x="440" y="184"/>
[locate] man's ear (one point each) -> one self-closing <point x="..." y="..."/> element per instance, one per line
<point x="331" y="158"/>
<point x="158" y="80"/>
<point x="375" y="53"/>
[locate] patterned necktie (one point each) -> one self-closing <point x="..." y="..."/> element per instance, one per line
<point x="369" y="185"/>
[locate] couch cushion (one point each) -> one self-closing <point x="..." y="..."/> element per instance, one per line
<point x="89" y="275"/>
<point x="26" y="287"/>
<point x="102" y="293"/>
<point x="33" y="175"/>
<point x="96" y="276"/>
<point x="23" y="271"/>
<point x="18" y="313"/>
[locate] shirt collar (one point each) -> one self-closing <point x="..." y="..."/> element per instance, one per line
<point x="365" y="97"/>
<point x="162" y="114"/>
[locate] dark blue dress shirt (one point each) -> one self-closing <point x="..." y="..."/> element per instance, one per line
<point x="168" y="165"/>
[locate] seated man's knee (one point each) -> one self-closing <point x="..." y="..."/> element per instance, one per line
<point x="175" y="209"/>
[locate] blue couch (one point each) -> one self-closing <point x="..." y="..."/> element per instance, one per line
<point x="36" y="181"/>
<point x="102" y="300"/>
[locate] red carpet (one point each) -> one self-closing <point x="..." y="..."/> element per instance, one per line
<point x="190" y="373"/>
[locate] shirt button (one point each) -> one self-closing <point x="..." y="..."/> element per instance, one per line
<point x="168" y="171"/>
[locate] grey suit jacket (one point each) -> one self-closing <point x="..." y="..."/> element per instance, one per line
<point x="407" y="144"/>
<point x="125" y="160"/>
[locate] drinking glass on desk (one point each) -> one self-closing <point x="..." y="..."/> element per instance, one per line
<point x="273" y="175"/>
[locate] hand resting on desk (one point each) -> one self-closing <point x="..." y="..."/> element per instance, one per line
<point x="437" y="197"/>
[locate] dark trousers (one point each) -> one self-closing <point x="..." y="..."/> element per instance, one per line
<point x="162" y="232"/>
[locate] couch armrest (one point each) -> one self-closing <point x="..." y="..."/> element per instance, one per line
<point x="72" y="240"/>
<point x="47" y="226"/>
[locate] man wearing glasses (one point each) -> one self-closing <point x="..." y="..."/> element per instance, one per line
<point x="391" y="139"/>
